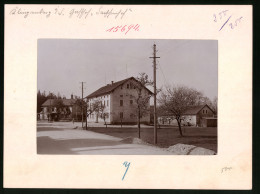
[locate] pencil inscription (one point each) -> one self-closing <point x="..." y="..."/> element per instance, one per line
<point x="65" y="11"/>
<point x="225" y="169"/>
<point x="224" y="17"/>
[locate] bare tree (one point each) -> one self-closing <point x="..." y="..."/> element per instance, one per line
<point x="176" y="100"/>
<point x="214" y="105"/>
<point x="103" y="113"/>
<point x="92" y="107"/>
<point x="58" y="103"/>
<point x="142" y="98"/>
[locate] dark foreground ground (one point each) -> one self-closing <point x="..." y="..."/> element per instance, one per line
<point x="197" y="136"/>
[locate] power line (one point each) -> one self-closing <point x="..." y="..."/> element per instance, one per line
<point x="165" y="81"/>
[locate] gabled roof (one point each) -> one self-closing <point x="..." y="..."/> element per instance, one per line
<point x="111" y="87"/>
<point x="195" y="109"/>
<point x="66" y="102"/>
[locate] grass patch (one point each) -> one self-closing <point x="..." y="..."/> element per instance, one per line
<point x="197" y="136"/>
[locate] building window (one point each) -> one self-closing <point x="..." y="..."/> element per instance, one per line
<point x="121" y="102"/>
<point x="206" y="111"/>
<point x="121" y="115"/>
<point x="121" y="95"/>
<point x="127" y="86"/>
<point x="107" y="103"/>
<point x="132" y="115"/>
<point x="130" y="85"/>
<point x="131" y="102"/>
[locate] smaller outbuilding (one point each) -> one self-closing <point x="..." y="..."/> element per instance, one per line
<point x="60" y="109"/>
<point x="202" y="116"/>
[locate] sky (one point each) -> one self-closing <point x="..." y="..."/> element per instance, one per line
<point x="64" y="63"/>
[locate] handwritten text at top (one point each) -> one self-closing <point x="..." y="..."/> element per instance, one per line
<point x="79" y="13"/>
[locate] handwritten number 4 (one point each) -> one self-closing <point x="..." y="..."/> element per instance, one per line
<point x="126" y="164"/>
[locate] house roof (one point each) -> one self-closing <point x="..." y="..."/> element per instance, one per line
<point x="195" y="109"/>
<point x="66" y="102"/>
<point x="110" y="88"/>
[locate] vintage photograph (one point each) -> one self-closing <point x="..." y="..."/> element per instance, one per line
<point x="127" y="97"/>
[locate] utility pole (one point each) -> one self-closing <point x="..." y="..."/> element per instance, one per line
<point x="82" y="84"/>
<point x="155" y="92"/>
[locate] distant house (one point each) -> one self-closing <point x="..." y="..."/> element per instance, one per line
<point x="119" y="101"/>
<point x="193" y="116"/>
<point x="69" y="111"/>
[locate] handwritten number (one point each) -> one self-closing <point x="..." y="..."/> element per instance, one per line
<point x="220" y="15"/>
<point x="129" y="28"/>
<point x="126" y="164"/>
<point x="136" y="27"/>
<point x="215" y="18"/>
<point x="110" y="29"/>
<point x="116" y="28"/>
<point x="226" y="169"/>
<point x="125" y="28"/>
<point x="225" y="12"/>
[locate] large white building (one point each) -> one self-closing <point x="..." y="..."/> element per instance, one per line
<point x="119" y="99"/>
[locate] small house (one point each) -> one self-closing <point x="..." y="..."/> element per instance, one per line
<point x="191" y="117"/>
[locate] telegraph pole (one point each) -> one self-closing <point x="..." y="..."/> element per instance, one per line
<point x="155" y="92"/>
<point x="82" y="84"/>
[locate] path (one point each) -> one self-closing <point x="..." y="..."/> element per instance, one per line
<point x="61" y="138"/>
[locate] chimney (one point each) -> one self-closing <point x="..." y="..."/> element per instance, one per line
<point x="71" y="96"/>
<point x="112" y="82"/>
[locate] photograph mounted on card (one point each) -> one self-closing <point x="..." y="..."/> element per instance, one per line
<point x="118" y="92"/>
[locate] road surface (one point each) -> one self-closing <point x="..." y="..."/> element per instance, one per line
<point x="68" y="138"/>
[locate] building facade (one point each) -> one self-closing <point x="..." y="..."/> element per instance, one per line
<point x="69" y="110"/>
<point x="192" y="116"/>
<point x="120" y="102"/>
